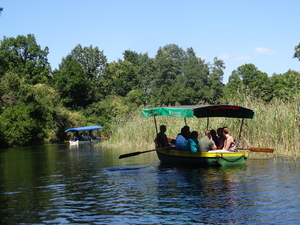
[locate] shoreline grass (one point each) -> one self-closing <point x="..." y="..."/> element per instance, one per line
<point x="276" y="125"/>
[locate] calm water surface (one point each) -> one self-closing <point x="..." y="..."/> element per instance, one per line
<point x="56" y="184"/>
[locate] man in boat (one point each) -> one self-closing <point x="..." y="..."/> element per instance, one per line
<point x="161" y="138"/>
<point x="206" y="143"/>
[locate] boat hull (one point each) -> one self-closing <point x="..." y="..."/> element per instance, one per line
<point x="201" y="158"/>
<point x="94" y="141"/>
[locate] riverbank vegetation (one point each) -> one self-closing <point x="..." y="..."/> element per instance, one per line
<point x="38" y="103"/>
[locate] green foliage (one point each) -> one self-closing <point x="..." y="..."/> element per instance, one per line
<point x="108" y="111"/>
<point x="121" y="77"/>
<point x="75" y="91"/>
<point x="247" y="80"/>
<point x="285" y="86"/>
<point x="78" y="79"/>
<point x="18" y="126"/>
<point x="297" y="52"/>
<point x="23" y="56"/>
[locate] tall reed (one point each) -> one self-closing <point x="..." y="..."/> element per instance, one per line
<point x="276" y="125"/>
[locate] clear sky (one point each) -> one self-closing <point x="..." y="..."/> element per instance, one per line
<point x="262" y="32"/>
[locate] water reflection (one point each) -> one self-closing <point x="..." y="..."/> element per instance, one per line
<point x="89" y="185"/>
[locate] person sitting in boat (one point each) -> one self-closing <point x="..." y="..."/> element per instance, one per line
<point x="161" y="140"/>
<point x="206" y="143"/>
<point x="182" y="137"/>
<point x="229" y="144"/>
<point x="192" y="142"/>
<point x="221" y="138"/>
<point x="215" y="137"/>
<point x="89" y="136"/>
<point x="77" y="136"/>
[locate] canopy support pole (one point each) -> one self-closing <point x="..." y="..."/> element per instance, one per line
<point x="207" y="123"/>
<point x="155" y="125"/>
<point x="240" y="133"/>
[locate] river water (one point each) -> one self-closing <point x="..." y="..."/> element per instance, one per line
<point x="57" y="184"/>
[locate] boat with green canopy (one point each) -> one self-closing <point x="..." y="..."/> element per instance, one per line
<point x="211" y="158"/>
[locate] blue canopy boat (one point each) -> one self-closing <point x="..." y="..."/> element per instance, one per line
<point x="84" y="141"/>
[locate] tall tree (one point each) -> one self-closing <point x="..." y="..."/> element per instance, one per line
<point x="250" y="81"/>
<point x="121" y="78"/>
<point x="144" y="69"/>
<point x="93" y="62"/>
<point x="22" y="55"/>
<point x="297" y="52"/>
<point x="195" y="79"/>
<point x="75" y="90"/>
<point x="216" y="81"/>
<point x="167" y="87"/>
<point x="79" y="76"/>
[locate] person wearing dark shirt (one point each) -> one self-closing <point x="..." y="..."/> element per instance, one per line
<point x="161" y="137"/>
<point x="215" y="137"/>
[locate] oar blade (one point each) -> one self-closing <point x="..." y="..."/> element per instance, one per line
<point x="256" y="149"/>
<point x="129" y="155"/>
<point x="268" y="150"/>
<point x="134" y="153"/>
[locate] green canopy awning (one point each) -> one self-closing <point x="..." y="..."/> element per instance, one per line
<point x="168" y="111"/>
<point x="201" y="111"/>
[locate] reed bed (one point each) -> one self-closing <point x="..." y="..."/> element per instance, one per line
<point x="276" y="125"/>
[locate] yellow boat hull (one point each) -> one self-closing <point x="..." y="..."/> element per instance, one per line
<point x="201" y="158"/>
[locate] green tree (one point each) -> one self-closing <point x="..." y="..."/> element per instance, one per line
<point x="79" y="77"/>
<point x="121" y="78"/>
<point x="250" y="81"/>
<point x="167" y="87"/>
<point x="285" y="86"/>
<point x="195" y="79"/>
<point x="75" y="90"/>
<point x="297" y="52"/>
<point x="22" y="55"/>
<point x="216" y="81"/>
<point x="144" y="70"/>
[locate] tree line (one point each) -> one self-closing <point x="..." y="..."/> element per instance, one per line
<point x="37" y="103"/>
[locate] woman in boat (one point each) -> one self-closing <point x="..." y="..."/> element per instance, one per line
<point x="229" y="144"/>
<point x="192" y="142"/>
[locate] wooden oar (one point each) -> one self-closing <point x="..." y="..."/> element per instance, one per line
<point x="102" y="137"/>
<point x="255" y="149"/>
<point x="134" y="153"/>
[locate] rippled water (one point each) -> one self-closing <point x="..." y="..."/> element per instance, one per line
<point x="56" y="184"/>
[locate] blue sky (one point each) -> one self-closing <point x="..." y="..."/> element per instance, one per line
<point x="262" y="32"/>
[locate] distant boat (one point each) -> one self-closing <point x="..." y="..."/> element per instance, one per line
<point x="92" y="140"/>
